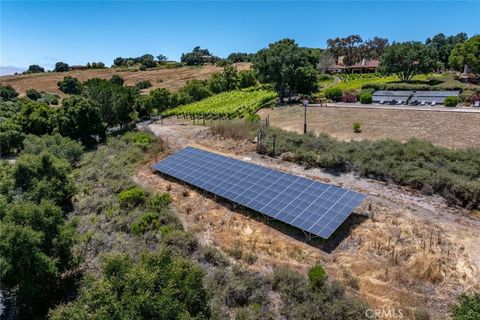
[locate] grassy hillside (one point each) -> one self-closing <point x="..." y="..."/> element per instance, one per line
<point x="171" y="79"/>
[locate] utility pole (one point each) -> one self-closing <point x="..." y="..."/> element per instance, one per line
<point x="305" y="104"/>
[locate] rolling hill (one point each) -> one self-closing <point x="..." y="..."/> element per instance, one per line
<point x="171" y="79"/>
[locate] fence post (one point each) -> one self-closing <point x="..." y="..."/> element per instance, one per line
<point x="268" y="120"/>
<point x="274" y="138"/>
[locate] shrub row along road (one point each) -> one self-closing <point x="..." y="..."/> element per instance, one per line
<point x="450" y="129"/>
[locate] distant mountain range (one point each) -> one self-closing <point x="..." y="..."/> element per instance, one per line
<point x="6" y="70"/>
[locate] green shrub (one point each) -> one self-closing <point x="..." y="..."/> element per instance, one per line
<point x="450" y="101"/>
<point x="357" y="127"/>
<point x="8" y="93"/>
<point x="147" y="221"/>
<point x="317" y="276"/>
<point x="334" y="94"/>
<point x="33" y="94"/>
<point x="366" y="98"/>
<point x="468" y="307"/>
<point x="59" y="146"/>
<point x="214" y="256"/>
<point x="414" y="163"/>
<point x="181" y="242"/>
<point x="142" y="68"/>
<point x="159" y="201"/>
<point x="132" y="197"/>
<point x="141" y="139"/>
<point x="421" y="314"/>
<point x="144" y="84"/>
<point x="159" y="286"/>
<point x="70" y="85"/>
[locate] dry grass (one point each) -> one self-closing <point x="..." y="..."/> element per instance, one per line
<point x="457" y="130"/>
<point x="407" y="255"/>
<point x="171" y="79"/>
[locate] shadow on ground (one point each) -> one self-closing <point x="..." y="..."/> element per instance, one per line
<point x="326" y="245"/>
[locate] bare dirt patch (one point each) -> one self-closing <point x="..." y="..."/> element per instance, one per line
<point x="411" y="251"/>
<point x="456" y="130"/>
<point x="171" y="79"/>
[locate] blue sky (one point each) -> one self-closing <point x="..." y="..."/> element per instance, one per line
<point x="43" y="32"/>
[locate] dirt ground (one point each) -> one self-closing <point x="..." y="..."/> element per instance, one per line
<point x="171" y="79"/>
<point x="399" y="250"/>
<point x="450" y="129"/>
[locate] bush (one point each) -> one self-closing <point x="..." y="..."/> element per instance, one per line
<point x="159" y="201"/>
<point x="451" y="101"/>
<point x="141" y="139"/>
<point x="142" y="67"/>
<point x="214" y="256"/>
<point x="116" y="79"/>
<point x="147" y="221"/>
<point x="181" y="242"/>
<point x="334" y="94"/>
<point x="413" y="164"/>
<point x="57" y="145"/>
<point x="143" y="84"/>
<point x="317" y="276"/>
<point x="70" y="85"/>
<point x="132" y="197"/>
<point x="159" y="286"/>
<point x="366" y="98"/>
<point x="468" y="307"/>
<point x="357" y="127"/>
<point x="43" y="176"/>
<point x="8" y="93"/>
<point x="33" y="94"/>
<point x="349" y="97"/>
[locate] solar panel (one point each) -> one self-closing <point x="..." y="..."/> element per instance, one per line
<point x="442" y="94"/>
<point x="315" y="207"/>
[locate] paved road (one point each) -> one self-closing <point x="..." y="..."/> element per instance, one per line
<point x="401" y="107"/>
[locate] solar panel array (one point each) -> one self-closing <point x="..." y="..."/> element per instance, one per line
<point x="386" y="96"/>
<point x="436" y="93"/>
<point x="431" y="96"/>
<point x="402" y="93"/>
<point x="312" y="206"/>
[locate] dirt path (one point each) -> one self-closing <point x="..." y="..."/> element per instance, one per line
<point x="412" y="251"/>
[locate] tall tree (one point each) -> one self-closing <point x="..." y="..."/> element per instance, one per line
<point x="467" y="53"/>
<point x="162" y="58"/>
<point x="81" y="119"/>
<point x="198" y="56"/>
<point x="35" y="68"/>
<point x="282" y="64"/>
<point x="61" y="67"/>
<point x="444" y="45"/>
<point x="345" y="47"/>
<point x="373" y="48"/>
<point x="230" y="74"/>
<point x="406" y="59"/>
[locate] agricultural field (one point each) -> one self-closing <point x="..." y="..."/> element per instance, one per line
<point x="231" y="104"/>
<point x="171" y="79"/>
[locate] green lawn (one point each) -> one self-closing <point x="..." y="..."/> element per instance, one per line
<point x="351" y="82"/>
